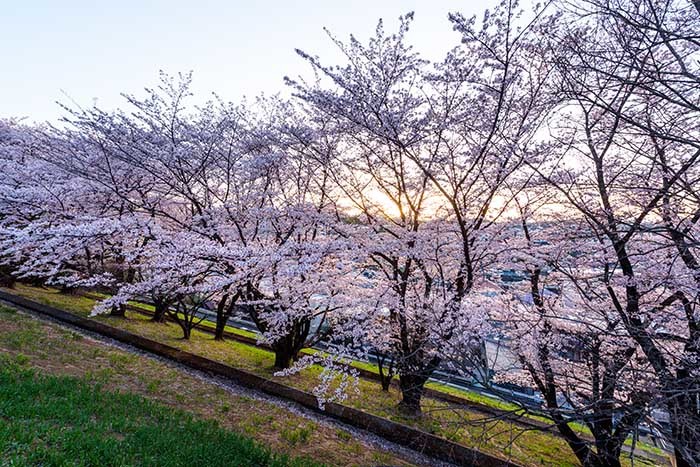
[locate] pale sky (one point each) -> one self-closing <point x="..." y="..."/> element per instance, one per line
<point x="90" y="50"/>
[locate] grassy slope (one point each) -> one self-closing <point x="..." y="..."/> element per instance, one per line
<point x="498" y="437"/>
<point x="66" y="421"/>
<point x="50" y="349"/>
<point x="472" y="396"/>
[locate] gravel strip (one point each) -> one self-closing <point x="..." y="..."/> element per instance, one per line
<point x="237" y="390"/>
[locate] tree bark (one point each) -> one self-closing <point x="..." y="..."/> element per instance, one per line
<point x="7" y="280"/>
<point x="221" y="318"/>
<point x="67" y="290"/>
<point x="286" y="349"/>
<point x="386" y="383"/>
<point x="184" y="322"/>
<point x="411" y="393"/>
<point x="161" y="308"/>
<point x="221" y="322"/>
<point x="283" y="359"/>
<point x="608" y="454"/>
<point x="118" y="311"/>
<point x="684" y="410"/>
<point x="385" y="377"/>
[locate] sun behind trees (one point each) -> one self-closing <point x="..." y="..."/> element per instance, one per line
<point x="377" y="210"/>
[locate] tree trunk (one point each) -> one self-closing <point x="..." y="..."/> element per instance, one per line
<point x="118" y="311"/>
<point x="161" y="308"/>
<point x="7" y="280"/>
<point x="36" y="281"/>
<point x="221" y="321"/>
<point x="284" y="353"/>
<point x="607" y="454"/>
<point x="385" y="377"/>
<point x="224" y="310"/>
<point x="411" y="394"/>
<point x="67" y="290"/>
<point x="684" y="411"/>
<point x="181" y="315"/>
<point x="286" y="350"/>
<point x="386" y="382"/>
<point x="221" y="318"/>
<point x="283" y="359"/>
<point x="287" y="347"/>
<point x="185" y="325"/>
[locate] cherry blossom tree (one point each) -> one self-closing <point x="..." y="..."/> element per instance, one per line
<point x="228" y="178"/>
<point x="567" y="337"/>
<point x="631" y="150"/>
<point x="50" y="230"/>
<point x="183" y="168"/>
<point x="428" y="149"/>
<point x="377" y="119"/>
<point x="18" y="202"/>
<point x="182" y="272"/>
<point x="299" y="259"/>
<point x="375" y="212"/>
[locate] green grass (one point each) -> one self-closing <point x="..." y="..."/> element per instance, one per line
<point x="463" y="426"/>
<point x="65" y="421"/>
<point x="58" y="351"/>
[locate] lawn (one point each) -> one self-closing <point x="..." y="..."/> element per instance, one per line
<point x="49" y="349"/>
<point x="494" y="436"/>
<point x="66" y="421"/>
